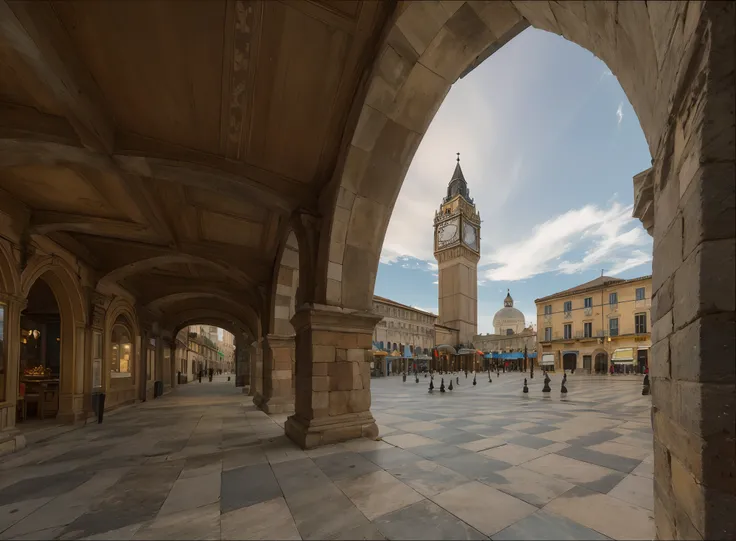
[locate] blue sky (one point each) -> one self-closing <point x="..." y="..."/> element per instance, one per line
<point x="549" y="145"/>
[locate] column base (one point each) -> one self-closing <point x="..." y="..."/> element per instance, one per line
<point x="334" y="429"/>
<point x="273" y="404"/>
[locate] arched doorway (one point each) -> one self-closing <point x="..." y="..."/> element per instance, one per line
<point x="601" y="363"/>
<point x="40" y="354"/>
<point x="570" y="361"/>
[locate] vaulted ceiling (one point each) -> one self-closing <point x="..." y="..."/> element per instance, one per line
<point x="166" y="142"/>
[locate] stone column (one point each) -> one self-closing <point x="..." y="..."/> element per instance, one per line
<point x="278" y="355"/>
<point x="333" y="396"/>
<point x="242" y="365"/>
<point x="693" y="367"/>
<point x="10" y="438"/>
<point x="256" y="371"/>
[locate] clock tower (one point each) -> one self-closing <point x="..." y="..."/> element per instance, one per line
<point x="457" y="250"/>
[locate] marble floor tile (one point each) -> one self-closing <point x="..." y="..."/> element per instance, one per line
<point x="605" y="514"/>
<point x="12" y="513"/>
<point x="568" y="469"/>
<point x="385" y="430"/>
<point x="521" y="426"/>
<point x="246" y="486"/>
<point x="482" y="444"/>
<point x="345" y="465"/>
<point x="237" y="458"/>
<point x="419" y="426"/>
<point x="473" y="466"/>
<point x="612" y="462"/>
<point x="266" y="520"/>
<point x="427" y="477"/>
<point x="533" y="442"/>
<point x="645" y="469"/>
<point x="626" y="451"/>
<point x="364" y="444"/>
<point x="544" y="525"/>
<point x="391" y="458"/>
<point x="486" y="509"/>
<point x="407" y="441"/>
<point x="527" y="485"/>
<point x="378" y="493"/>
<point x="512" y="454"/>
<point x="425" y="520"/>
<point x="433" y="451"/>
<point x="635" y="490"/>
<point x="192" y="492"/>
<point x="202" y="523"/>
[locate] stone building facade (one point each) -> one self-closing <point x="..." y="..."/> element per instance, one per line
<point x="588" y="327"/>
<point x="403" y="325"/>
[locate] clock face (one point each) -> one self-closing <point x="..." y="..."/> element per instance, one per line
<point x="470" y="235"/>
<point x="448" y="232"/>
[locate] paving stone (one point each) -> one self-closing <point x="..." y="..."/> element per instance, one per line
<point x="266" y="520"/>
<point x="533" y="442"/>
<point x="529" y="486"/>
<point x="393" y="457"/>
<point x="614" y="462"/>
<point x="427" y="477"/>
<point x="201" y="523"/>
<point x="248" y="485"/>
<point x="344" y="465"/>
<point x="486" y="509"/>
<point x="548" y="526"/>
<point x="473" y="466"/>
<point x="425" y="520"/>
<point x="378" y="493"/>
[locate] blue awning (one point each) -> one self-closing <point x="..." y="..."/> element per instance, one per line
<point x="407" y="354"/>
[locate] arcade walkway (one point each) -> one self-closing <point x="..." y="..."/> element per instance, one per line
<point x="481" y="461"/>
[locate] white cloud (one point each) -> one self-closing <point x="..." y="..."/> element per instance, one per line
<point x="620" y="112"/>
<point x="612" y="233"/>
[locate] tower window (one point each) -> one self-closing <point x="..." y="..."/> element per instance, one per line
<point x="509" y="331"/>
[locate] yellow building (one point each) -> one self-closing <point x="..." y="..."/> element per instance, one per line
<point x="602" y="322"/>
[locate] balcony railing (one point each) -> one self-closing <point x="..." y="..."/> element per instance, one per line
<point x="588" y="310"/>
<point x="597" y="334"/>
<point x="568" y="314"/>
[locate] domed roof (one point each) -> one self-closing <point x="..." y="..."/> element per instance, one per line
<point x="508" y="313"/>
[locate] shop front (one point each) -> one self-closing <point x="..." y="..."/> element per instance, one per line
<point x="548" y="362"/>
<point x="623" y="361"/>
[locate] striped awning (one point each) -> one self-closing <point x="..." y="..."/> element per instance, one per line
<point x="445" y="348"/>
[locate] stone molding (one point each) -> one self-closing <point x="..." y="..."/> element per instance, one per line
<point x="275" y="341"/>
<point x="323" y="317"/>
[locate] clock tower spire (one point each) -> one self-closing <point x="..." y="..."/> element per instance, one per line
<point x="457" y="250"/>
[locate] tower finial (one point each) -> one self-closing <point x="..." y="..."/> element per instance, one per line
<point x="458" y="157"/>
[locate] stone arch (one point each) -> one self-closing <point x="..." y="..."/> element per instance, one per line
<point x="9" y="278"/>
<point x="67" y="290"/>
<point x="121" y="390"/>
<point x="428" y="46"/>
<point x="210" y="305"/>
<point x="143" y="265"/>
<point x="285" y="283"/>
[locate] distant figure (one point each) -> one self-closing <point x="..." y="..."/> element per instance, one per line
<point x="450" y="387"/>
<point x="199" y="376"/>
<point x="526" y="389"/>
<point x="457" y="380"/>
<point x="211" y="373"/>
<point x="431" y="385"/>
<point x="563" y="389"/>
<point x="546" y="388"/>
<point x="474" y="382"/>
<point x="442" y="385"/>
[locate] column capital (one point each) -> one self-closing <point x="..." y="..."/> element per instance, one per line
<point x="278" y="341"/>
<point x="324" y="317"/>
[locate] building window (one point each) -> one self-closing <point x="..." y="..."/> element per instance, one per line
<point x="640" y="293"/>
<point x="568" y="306"/>
<point x="613" y="326"/>
<point x="587" y="329"/>
<point x="509" y="331"/>
<point x="121" y="360"/>
<point x="547" y="309"/>
<point x="613" y="298"/>
<point x="568" y="331"/>
<point x="548" y="334"/>
<point x="588" y="302"/>
<point x="640" y="323"/>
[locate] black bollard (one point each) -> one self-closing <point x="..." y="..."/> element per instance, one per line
<point x="431" y="386"/>
<point x="645" y="386"/>
<point x="416" y="378"/>
<point x="474" y="382"/>
<point x="457" y="380"/>
<point x="546" y="388"/>
<point x="563" y="389"/>
<point x="403" y="379"/>
<point x="466" y="374"/>
<point x="450" y="386"/>
<point x="489" y="378"/>
<point x="526" y="389"/>
<point x="442" y="385"/>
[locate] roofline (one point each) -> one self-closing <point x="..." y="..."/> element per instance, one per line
<point x="378" y="298"/>
<point x="604" y="285"/>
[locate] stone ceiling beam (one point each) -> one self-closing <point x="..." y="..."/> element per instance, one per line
<point x="44" y="222"/>
<point x="34" y="33"/>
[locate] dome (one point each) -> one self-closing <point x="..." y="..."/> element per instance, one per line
<point x="509" y="320"/>
<point x="508" y="314"/>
